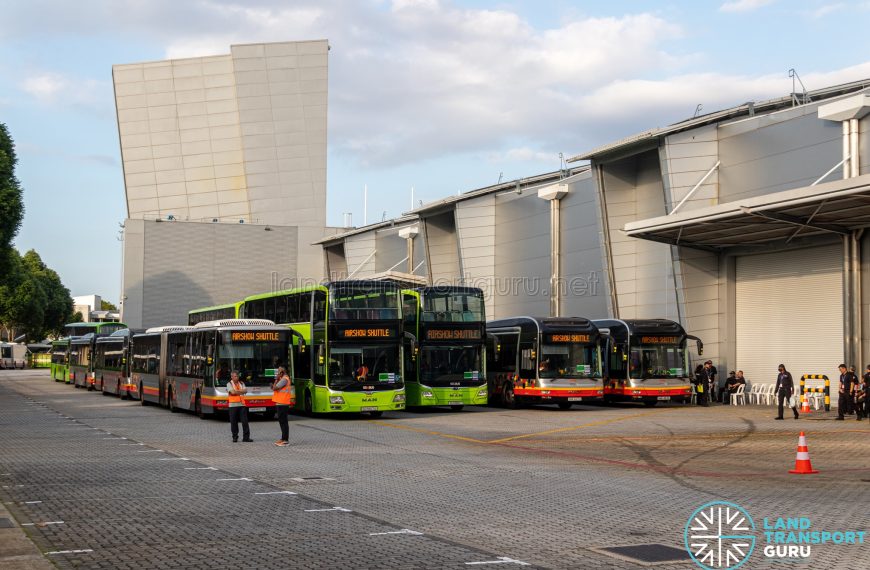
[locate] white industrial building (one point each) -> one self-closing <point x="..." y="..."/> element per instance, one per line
<point x="213" y="144"/>
<point x="745" y="225"/>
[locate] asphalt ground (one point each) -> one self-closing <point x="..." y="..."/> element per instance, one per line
<point x="544" y="487"/>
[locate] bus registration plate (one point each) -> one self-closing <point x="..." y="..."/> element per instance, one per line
<point x="369" y="409"/>
<point x="256" y="409"/>
<point x="455" y="403"/>
<point x="664" y="397"/>
<point x="575" y="399"/>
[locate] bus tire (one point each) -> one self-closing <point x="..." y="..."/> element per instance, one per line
<point x="170" y="402"/>
<point x="457" y="407"/>
<point x="507" y="396"/>
<point x="307" y="405"/>
<point x="197" y="408"/>
<point x="376" y="414"/>
<point x="565" y="405"/>
<point x="650" y="403"/>
<point x="142" y="399"/>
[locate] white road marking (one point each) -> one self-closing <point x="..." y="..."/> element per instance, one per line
<point x="192" y="468"/>
<point x="173" y="458"/>
<point x="150" y="451"/>
<point x="403" y="531"/>
<point x="276" y="493"/>
<point x="83" y="551"/>
<point x="340" y="509"/>
<point x="132" y="444"/>
<point x="46" y="523"/>
<point x="501" y="560"/>
<point x="32" y="502"/>
<point x="239" y="479"/>
<point x="114" y="438"/>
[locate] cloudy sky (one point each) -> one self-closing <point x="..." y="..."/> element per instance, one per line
<point x="439" y="95"/>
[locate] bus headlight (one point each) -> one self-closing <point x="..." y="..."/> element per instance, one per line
<point x="427" y="394"/>
<point x="399" y="398"/>
<point x="336" y="400"/>
<point x="481" y="393"/>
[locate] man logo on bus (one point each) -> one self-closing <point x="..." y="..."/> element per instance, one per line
<point x="720" y="536"/>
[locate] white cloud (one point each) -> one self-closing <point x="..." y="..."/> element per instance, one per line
<point x="56" y="89"/>
<point x="824" y="10"/>
<point x="744" y="5"/>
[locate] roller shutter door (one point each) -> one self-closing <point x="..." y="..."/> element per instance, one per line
<point x="790" y="310"/>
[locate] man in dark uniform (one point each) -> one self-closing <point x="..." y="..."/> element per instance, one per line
<point x="844" y="401"/>
<point x="784" y="390"/>
<point x="867" y="392"/>
<point x="710" y="378"/>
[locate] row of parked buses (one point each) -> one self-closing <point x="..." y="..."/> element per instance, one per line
<point x="373" y="346"/>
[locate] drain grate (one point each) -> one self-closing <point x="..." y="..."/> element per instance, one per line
<point x="646" y="554"/>
<point x="6" y="523"/>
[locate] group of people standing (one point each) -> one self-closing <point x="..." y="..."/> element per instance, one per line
<point x="282" y="395"/>
<point x="853" y="394"/>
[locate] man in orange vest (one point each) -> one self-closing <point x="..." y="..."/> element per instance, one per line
<point x="238" y="411"/>
<point x="283" y="396"/>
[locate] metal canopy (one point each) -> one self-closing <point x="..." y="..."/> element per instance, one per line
<point x="831" y="209"/>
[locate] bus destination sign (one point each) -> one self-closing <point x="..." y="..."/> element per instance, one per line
<point x="366" y="332"/>
<point x="255" y="336"/>
<point x="647" y="339"/>
<point x="453" y="334"/>
<point x="566" y="338"/>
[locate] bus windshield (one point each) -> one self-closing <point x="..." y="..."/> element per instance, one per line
<point x="453" y="307"/>
<point x="657" y="361"/>
<point x="363" y="302"/>
<point x="569" y="360"/>
<point x="255" y="361"/>
<point x="442" y="365"/>
<point x="358" y="365"/>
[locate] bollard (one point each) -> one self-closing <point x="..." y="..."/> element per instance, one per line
<point x="826" y="390"/>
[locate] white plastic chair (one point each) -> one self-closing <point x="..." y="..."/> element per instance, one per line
<point x="752" y="395"/>
<point x="768" y="395"/>
<point x="815" y="398"/>
<point x="739" y="395"/>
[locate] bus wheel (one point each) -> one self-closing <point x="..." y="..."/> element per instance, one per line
<point x="377" y="414"/>
<point x="565" y="405"/>
<point x="170" y="402"/>
<point x="307" y="406"/>
<point x="197" y="408"/>
<point x="457" y="407"/>
<point x="650" y="403"/>
<point x="142" y="399"/>
<point x="507" y="396"/>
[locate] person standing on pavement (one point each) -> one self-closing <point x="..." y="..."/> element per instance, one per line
<point x="844" y="401"/>
<point x="710" y="373"/>
<point x="282" y="395"/>
<point x="867" y="392"/>
<point x="784" y="390"/>
<point x="699" y="380"/>
<point x="859" y="395"/>
<point x="236" y="391"/>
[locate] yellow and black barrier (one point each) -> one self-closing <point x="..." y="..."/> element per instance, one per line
<point x="826" y="390"/>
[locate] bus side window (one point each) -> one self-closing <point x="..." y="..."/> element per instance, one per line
<point x="319" y="304"/>
<point x="527" y="361"/>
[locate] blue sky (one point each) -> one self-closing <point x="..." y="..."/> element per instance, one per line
<point x="441" y="95"/>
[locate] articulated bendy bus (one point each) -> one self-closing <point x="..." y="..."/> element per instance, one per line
<point x="112" y="365"/>
<point x="187" y="368"/>
<point x="60" y="360"/>
<point x="348" y="355"/>
<point x="647" y="360"/>
<point x="553" y="360"/>
<point x="448" y="367"/>
<point x="216" y="313"/>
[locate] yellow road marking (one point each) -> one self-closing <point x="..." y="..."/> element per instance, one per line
<point x="572" y="428"/>
<point x="426" y="431"/>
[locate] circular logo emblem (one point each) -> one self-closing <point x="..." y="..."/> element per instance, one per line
<point x="720" y="536"/>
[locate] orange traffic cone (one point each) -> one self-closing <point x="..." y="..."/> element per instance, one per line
<point x="802" y="465"/>
<point x="805" y="408"/>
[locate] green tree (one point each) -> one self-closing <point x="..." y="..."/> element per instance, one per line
<point x="107" y="306"/>
<point x="33" y="300"/>
<point x="11" y="202"/>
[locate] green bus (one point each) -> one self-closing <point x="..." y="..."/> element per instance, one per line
<point x="348" y="355"/>
<point x="60" y="360"/>
<point x="216" y="313"/>
<point x="81" y="329"/>
<point x="448" y="367"/>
